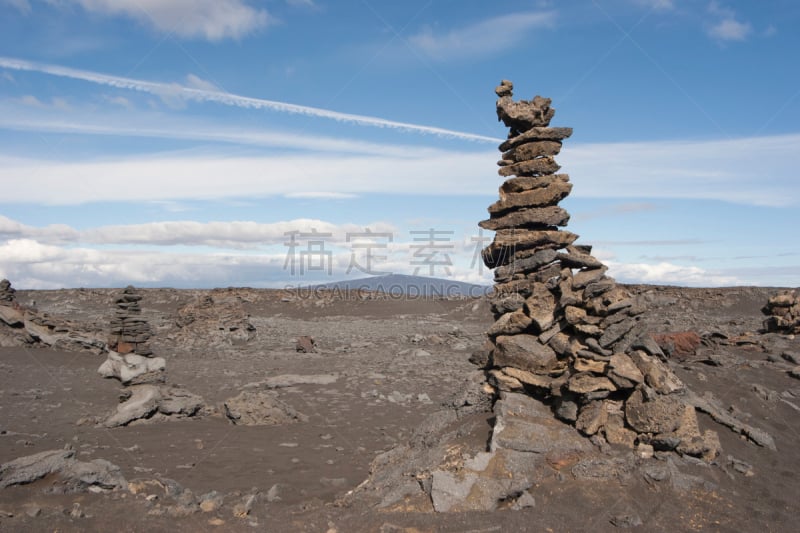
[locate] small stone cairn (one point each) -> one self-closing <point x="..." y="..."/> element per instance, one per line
<point x="783" y="313"/>
<point x="132" y="362"/>
<point x="130" y="358"/>
<point x="129" y="329"/>
<point x="564" y="331"/>
<point x="7" y="292"/>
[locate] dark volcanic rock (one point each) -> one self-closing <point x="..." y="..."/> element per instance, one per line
<point x="783" y="310"/>
<point x="528" y="217"/>
<point x="6" y="291"/>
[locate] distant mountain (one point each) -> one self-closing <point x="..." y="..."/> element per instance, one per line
<point x="413" y="286"/>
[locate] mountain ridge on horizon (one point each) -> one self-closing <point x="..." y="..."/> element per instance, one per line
<point x="408" y="285"/>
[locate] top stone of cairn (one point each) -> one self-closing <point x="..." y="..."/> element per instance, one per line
<point x="523" y="115"/>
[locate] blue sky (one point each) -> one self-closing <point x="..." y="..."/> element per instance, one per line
<point x="202" y="143"/>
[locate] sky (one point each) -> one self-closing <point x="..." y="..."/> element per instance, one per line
<point x="215" y="143"/>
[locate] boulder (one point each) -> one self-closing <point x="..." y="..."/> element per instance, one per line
<point x="622" y="365"/>
<point x="179" y="402"/>
<point x="657" y="374"/>
<point x="591" y="418"/>
<point x="658" y="414"/>
<point x="524" y="352"/>
<point x="133" y="369"/>
<point x="510" y="323"/>
<point x="260" y="408"/>
<point x="305" y="344"/>
<point x="142" y="403"/>
<point x="76" y="476"/>
<point x="12" y="317"/>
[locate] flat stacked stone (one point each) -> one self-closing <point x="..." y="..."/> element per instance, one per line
<point x="129" y="329"/>
<point x="7" y="291"/>
<point x="564" y="329"/>
<point x="783" y="312"/>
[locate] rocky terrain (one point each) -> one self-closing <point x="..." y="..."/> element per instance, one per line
<point x="388" y="379"/>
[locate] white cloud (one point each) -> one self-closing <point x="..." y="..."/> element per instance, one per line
<point x="730" y="29"/>
<point x="32" y="264"/>
<point x="55" y="233"/>
<point x="120" y="101"/>
<point x="174" y="90"/>
<point x="750" y="170"/>
<point x="484" y="38"/>
<point x="671" y="274"/>
<point x="210" y="19"/>
<point x="157" y="254"/>
<point x="727" y="27"/>
<point x="234" y="234"/>
<point x="56" y="102"/>
<point x="30" y="100"/>
<point x="186" y="177"/>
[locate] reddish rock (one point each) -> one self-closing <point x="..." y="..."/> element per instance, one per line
<point x="305" y="344"/>
<point x="123" y="348"/>
<point x="680" y="344"/>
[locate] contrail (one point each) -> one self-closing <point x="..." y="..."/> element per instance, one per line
<point x="225" y="98"/>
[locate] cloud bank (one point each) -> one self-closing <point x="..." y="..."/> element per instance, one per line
<point x="752" y="171"/>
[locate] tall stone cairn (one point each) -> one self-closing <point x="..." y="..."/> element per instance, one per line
<point x="129" y="329"/>
<point x="563" y="327"/>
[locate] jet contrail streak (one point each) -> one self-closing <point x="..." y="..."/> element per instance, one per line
<point x="225" y="98"/>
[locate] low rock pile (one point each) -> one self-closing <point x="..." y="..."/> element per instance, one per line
<point x="783" y="311"/>
<point x="565" y="333"/>
<point x="6" y="291"/>
<point x="25" y="326"/>
<point x="129" y="329"/>
<point x="213" y="320"/>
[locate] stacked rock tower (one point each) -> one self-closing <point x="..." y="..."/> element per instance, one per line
<point x="565" y="332"/>
<point x="129" y="329"/>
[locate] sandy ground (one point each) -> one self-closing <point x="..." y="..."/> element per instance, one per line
<point x="389" y="363"/>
